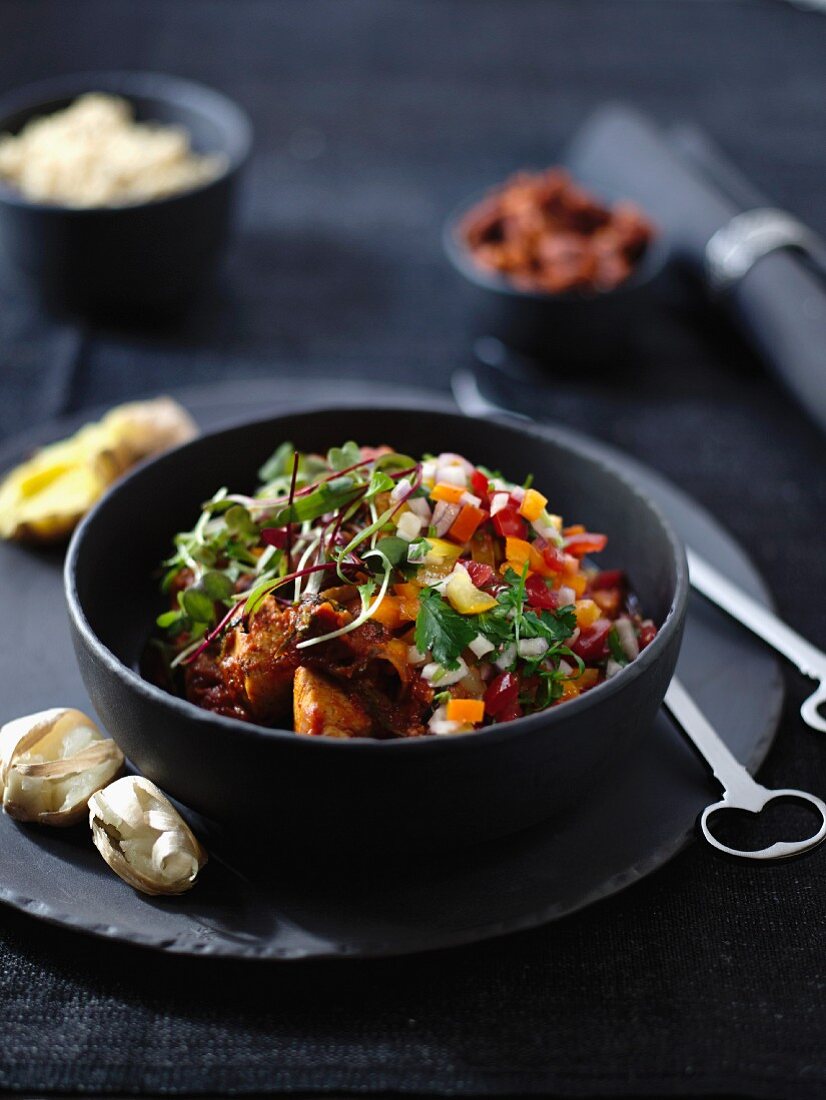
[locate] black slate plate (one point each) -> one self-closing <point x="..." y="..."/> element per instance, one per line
<point x="631" y="825"/>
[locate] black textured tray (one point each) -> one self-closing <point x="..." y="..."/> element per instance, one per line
<point x="637" y="820"/>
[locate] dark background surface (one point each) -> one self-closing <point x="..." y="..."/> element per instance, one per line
<point x="373" y="119"/>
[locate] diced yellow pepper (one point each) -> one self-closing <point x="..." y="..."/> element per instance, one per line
<point x="518" y="550"/>
<point x="533" y="505"/>
<point x="465" y="597"/>
<point x="440" y="551"/>
<point x="388" y="613"/>
<point x="408" y="596"/>
<point x="587" y="612"/>
<point x="569" y="690"/>
<point x="588" y="678"/>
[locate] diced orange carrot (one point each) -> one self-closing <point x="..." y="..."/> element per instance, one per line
<point x="408" y="597"/>
<point x="388" y="613"/>
<point x="577" y="529"/>
<point x="450" y="494"/>
<point x="466" y="523"/>
<point x="587" y="613"/>
<point x="465" y="710"/>
<point x="533" y="505"/>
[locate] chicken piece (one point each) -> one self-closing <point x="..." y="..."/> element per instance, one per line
<point x="322" y="709"/>
<point x="265" y="658"/>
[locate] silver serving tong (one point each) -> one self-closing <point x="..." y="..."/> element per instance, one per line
<point x="766" y="625"/>
<point x="740" y="791"/>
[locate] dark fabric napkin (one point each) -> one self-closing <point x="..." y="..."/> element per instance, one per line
<point x="780" y="304"/>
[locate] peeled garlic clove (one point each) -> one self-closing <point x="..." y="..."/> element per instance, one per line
<point x="143" y="838"/>
<point x="51" y="762"/>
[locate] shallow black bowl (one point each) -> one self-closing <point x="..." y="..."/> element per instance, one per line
<point x="123" y="260"/>
<point x="557" y="329"/>
<point x="362" y="795"/>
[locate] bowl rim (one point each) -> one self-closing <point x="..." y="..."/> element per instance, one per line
<point x="138" y="83"/>
<point x="671" y="625"/>
<point x="648" y="268"/>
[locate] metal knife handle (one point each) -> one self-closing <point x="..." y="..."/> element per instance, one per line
<point x="766" y="625"/>
<point x="740" y="791"/>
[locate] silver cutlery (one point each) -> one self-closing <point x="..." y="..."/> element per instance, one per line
<point x="740" y="791"/>
<point x="766" y="625"/>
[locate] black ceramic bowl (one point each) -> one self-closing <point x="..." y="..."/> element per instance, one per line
<point x="362" y="795"/>
<point x="124" y="260"/>
<point x="558" y="329"/>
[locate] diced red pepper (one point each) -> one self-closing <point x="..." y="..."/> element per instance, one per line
<point x="592" y="643"/>
<point x="509" y="524"/>
<point x="647" y="634"/>
<point x="554" y="559"/>
<point x="511" y="711"/>
<point x="479" y="485"/>
<point x="275" y="536"/>
<point x="538" y="595"/>
<point x="502" y="694"/>
<point x="481" y="574"/>
<point x="608" y="578"/>
<point x="586" y="543"/>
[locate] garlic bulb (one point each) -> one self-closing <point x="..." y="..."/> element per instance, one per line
<point x="51" y="762"/>
<point x="143" y="838"/>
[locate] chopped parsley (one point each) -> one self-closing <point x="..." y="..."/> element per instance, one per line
<point x="442" y="630"/>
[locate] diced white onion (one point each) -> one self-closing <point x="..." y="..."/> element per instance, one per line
<point x="417" y="552"/>
<point x="469" y="498"/>
<point x="429" y="469"/>
<point x="452" y="475"/>
<point x="436" y="674"/>
<point x="498" y="502"/>
<point x="612" y="668"/>
<point x="444" y="515"/>
<point x="481" y="645"/>
<point x="414" y="657"/>
<point x="400" y="490"/>
<point x="500" y="485"/>
<point x="566" y="596"/>
<point x="420" y="506"/>
<point x="449" y="458"/>
<point x="532" y="647"/>
<point x="628" y="638"/>
<point x="440" y="724"/>
<point x="518" y="493"/>
<point x="409" y="526"/>
<point x="547" y="531"/>
<point x="506" y="657"/>
<point x="565" y="668"/>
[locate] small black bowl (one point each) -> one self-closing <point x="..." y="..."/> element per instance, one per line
<point x="363" y="796"/>
<point x="126" y="259"/>
<point x="556" y="329"/>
